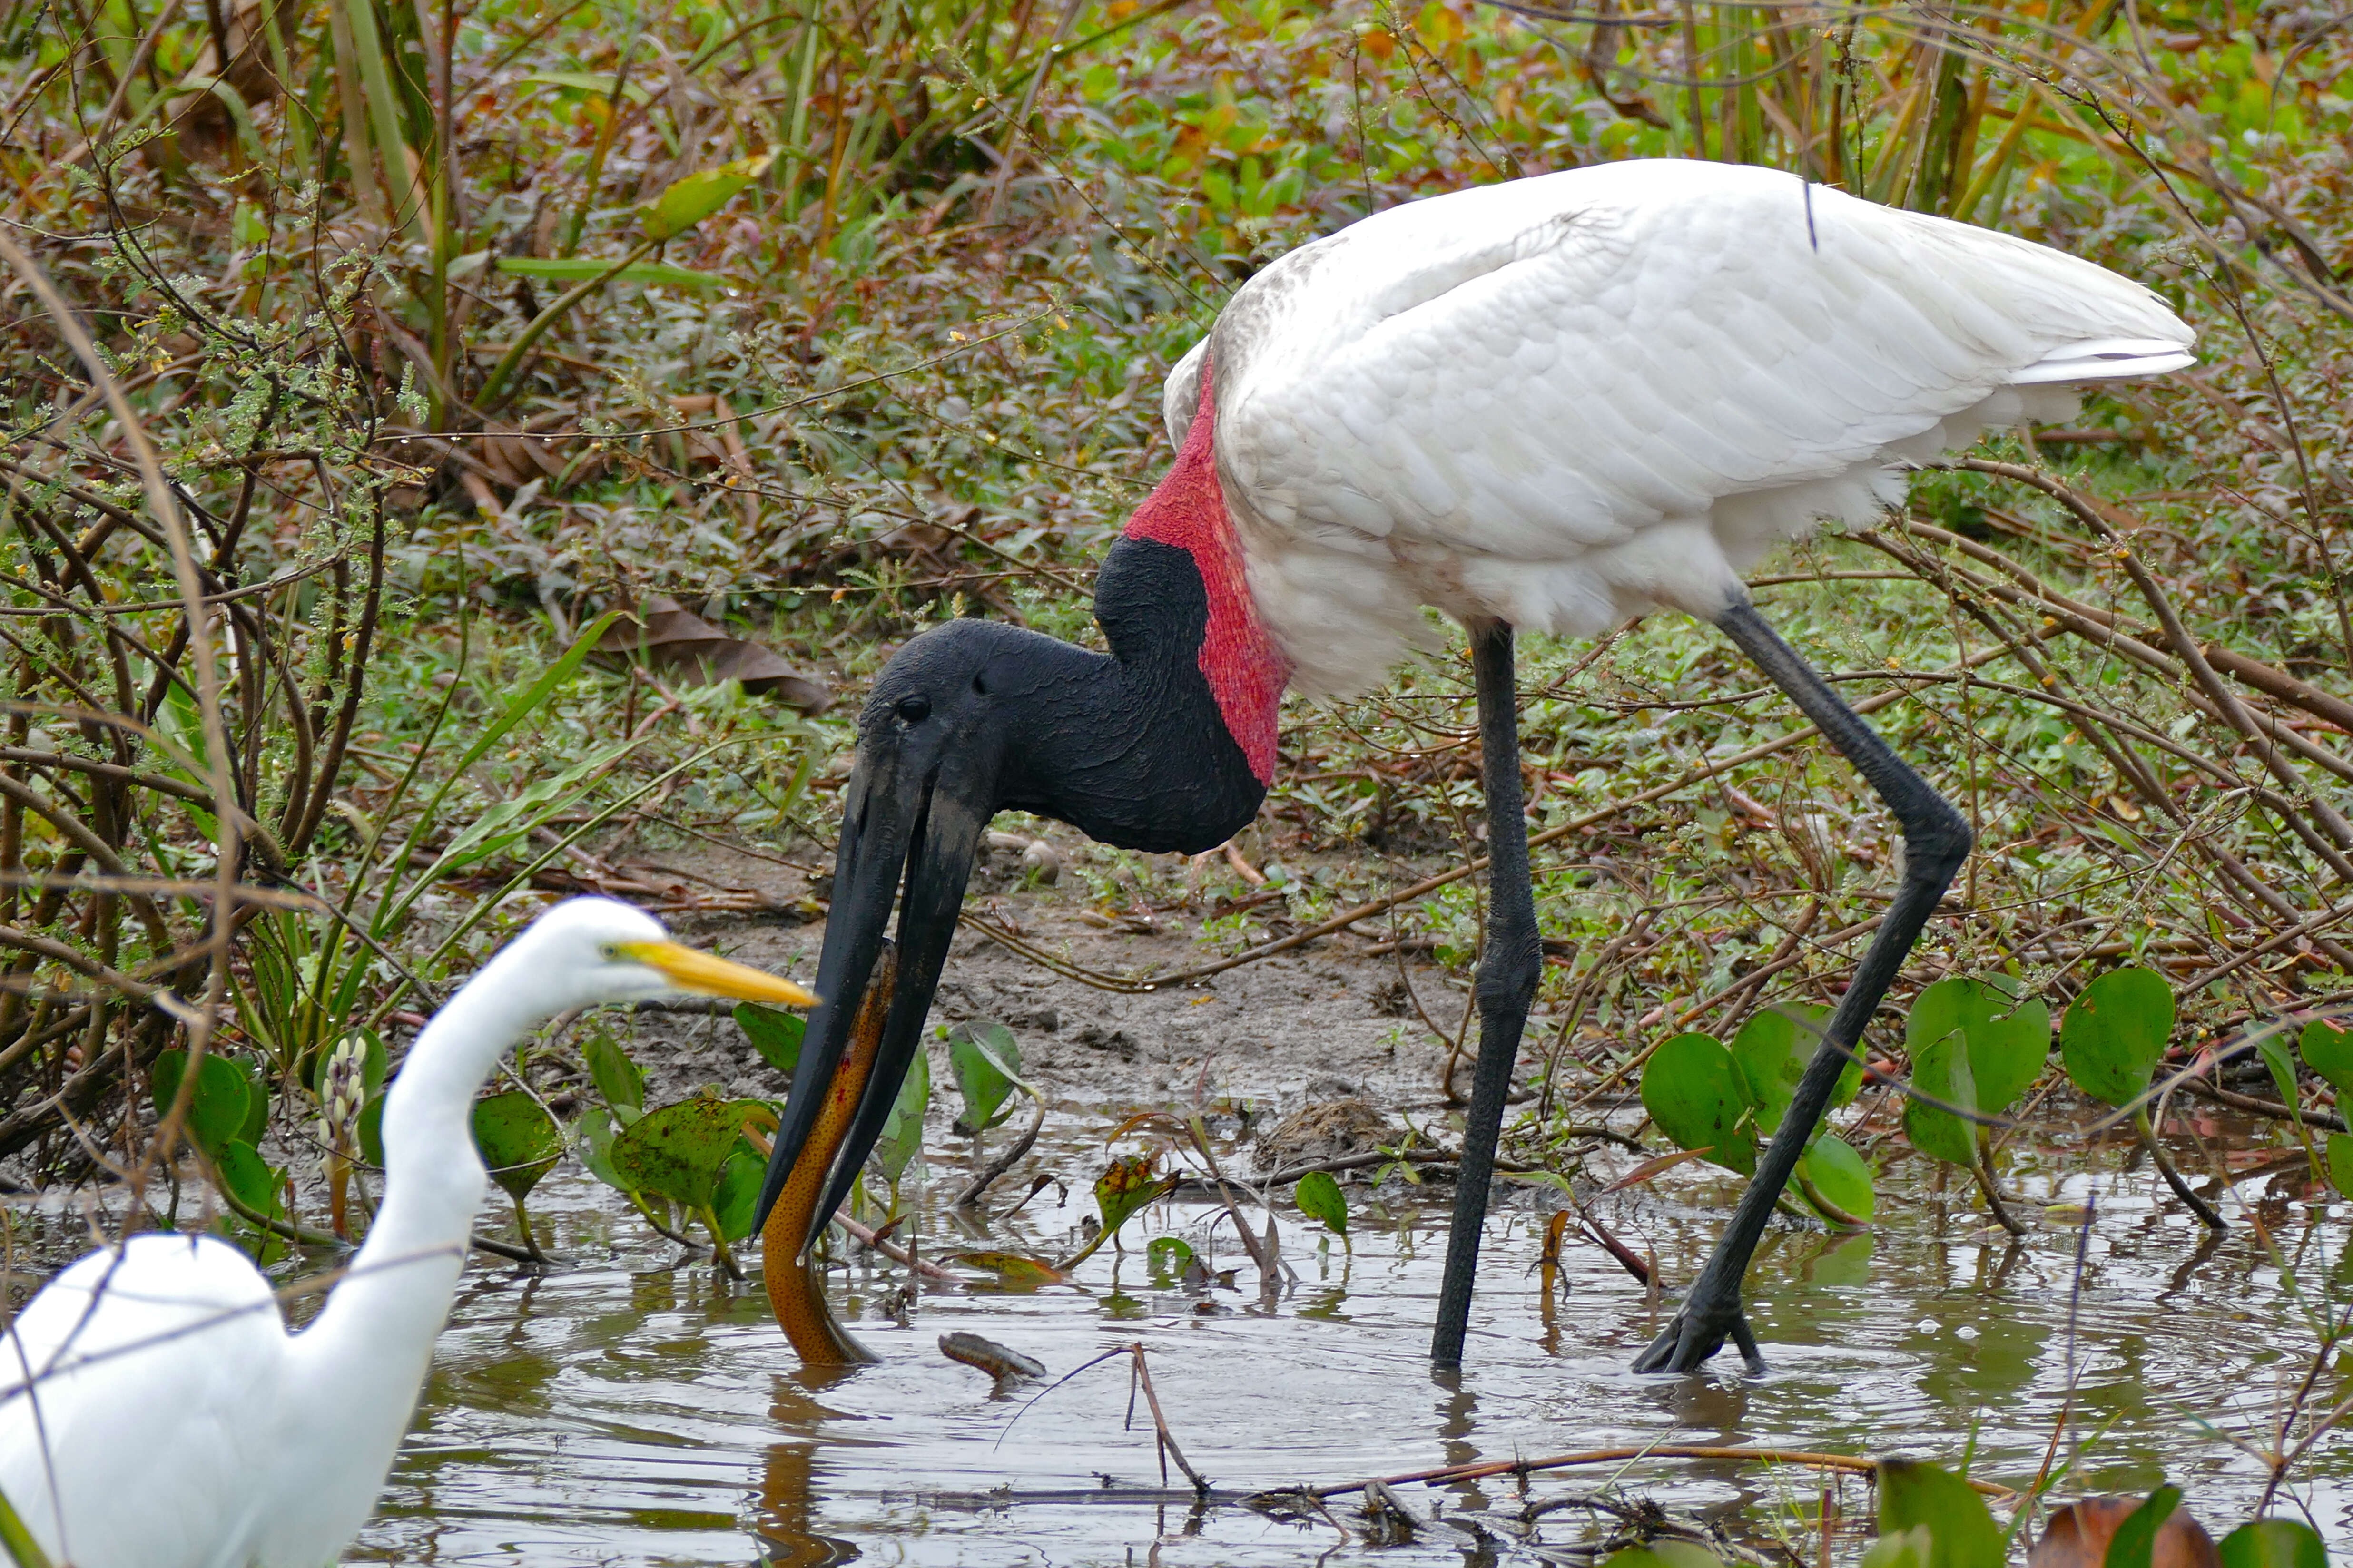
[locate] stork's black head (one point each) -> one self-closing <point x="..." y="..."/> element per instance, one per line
<point x="975" y="717"/>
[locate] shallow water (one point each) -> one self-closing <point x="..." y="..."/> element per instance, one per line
<point x="625" y="1409"/>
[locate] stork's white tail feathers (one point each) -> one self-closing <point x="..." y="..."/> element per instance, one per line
<point x="1562" y="401"/>
<point x="2106" y="359"/>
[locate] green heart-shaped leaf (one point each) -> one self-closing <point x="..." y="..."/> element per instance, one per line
<point x="592" y="1140"/>
<point x="1843" y="1176"/>
<point x="257" y="1185"/>
<point x="1318" y="1196"/>
<point x="737" y="1199"/>
<point x="2274" y="1543"/>
<point x="221" y="1109"/>
<point x="902" y="1130"/>
<point x="1914" y="1493"/>
<point x="2135" y="1535"/>
<point x="1695" y="1092"/>
<point x="519" y="1141"/>
<point x="619" y="1080"/>
<point x="986" y="1059"/>
<point x="1126" y="1187"/>
<point x="2009" y="1038"/>
<point x="1940" y="1071"/>
<point x="777" y="1036"/>
<point x="2115" y="1033"/>
<point x="2340" y="1163"/>
<point x="1168" y="1255"/>
<point x="680" y="1152"/>
<point x="2328" y="1051"/>
<point x="1772" y="1050"/>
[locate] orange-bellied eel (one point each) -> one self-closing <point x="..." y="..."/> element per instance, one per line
<point x="795" y="1289"/>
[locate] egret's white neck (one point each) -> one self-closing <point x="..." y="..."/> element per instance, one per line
<point x="364" y="1358"/>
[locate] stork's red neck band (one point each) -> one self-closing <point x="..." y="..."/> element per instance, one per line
<point x="1245" y="670"/>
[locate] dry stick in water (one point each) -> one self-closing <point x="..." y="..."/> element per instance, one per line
<point x="796" y="1293"/>
<point x="1004" y="1161"/>
<point x="1446" y="1474"/>
<point x="1168" y="1449"/>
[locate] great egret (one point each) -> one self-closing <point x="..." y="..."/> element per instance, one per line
<point x="160" y="1416"/>
<point x="1548" y="405"/>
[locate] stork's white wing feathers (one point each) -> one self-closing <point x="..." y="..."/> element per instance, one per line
<point x="1564" y="400"/>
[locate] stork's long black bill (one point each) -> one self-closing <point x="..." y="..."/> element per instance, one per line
<point x="897" y="827"/>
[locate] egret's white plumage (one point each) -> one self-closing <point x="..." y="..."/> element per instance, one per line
<point x="1561" y="401"/>
<point x="158" y="1415"/>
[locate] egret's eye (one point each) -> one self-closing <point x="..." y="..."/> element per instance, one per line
<point x="915" y="710"/>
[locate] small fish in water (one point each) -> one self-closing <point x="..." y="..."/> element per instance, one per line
<point x="1005" y="1365"/>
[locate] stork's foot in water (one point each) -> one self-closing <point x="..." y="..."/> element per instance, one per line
<point x="1697" y="1332"/>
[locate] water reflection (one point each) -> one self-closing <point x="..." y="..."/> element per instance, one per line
<point x="628" y="1409"/>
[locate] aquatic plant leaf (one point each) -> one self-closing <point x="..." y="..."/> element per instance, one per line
<point x="2340" y="1163"/>
<point x="986" y="1059"/>
<point x="2009" y="1036"/>
<point x="687" y="201"/>
<point x="2328" y="1051"/>
<point x="1318" y="1196"/>
<point x="1901" y="1549"/>
<point x="902" y="1131"/>
<point x="592" y="1140"/>
<point x="1665" y="1554"/>
<point x="1013" y="1269"/>
<point x="620" y="1081"/>
<point x="1941" y="1070"/>
<point x="257" y="1184"/>
<point x="2274" y="1543"/>
<point x="2115" y="1033"/>
<point x="1914" y="1493"/>
<point x="1839" y="1173"/>
<point x="370" y="1128"/>
<point x="221" y="1108"/>
<point x="737" y="1199"/>
<point x="1126" y="1188"/>
<point x="1168" y="1255"/>
<point x="680" y="1150"/>
<point x="1693" y="1090"/>
<point x="519" y="1141"/>
<point x="2136" y="1537"/>
<point x="1772" y="1050"/>
<point x="2274" y="1054"/>
<point x="776" y="1036"/>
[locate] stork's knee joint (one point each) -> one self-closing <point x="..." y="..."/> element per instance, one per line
<point x="1936" y="844"/>
<point x="1508" y="974"/>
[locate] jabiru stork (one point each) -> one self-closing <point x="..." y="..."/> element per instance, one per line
<point x="1541" y="405"/>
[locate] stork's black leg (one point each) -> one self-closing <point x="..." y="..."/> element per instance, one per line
<point x="1935" y="842"/>
<point x="1507" y="976"/>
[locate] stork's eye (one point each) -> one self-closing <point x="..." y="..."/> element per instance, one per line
<point x="915" y="710"/>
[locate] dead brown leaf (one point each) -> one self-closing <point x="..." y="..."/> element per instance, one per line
<point x="2079" y="1534"/>
<point x="675" y="642"/>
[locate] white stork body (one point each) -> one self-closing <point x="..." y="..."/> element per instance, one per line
<point x="1561" y="401"/>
